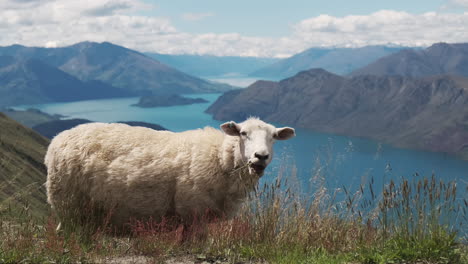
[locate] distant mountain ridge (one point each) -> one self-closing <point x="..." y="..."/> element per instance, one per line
<point x="213" y="66"/>
<point x="150" y="101"/>
<point x="427" y="113"/>
<point x="31" y="81"/>
<point x="336" y="60"/>
<point x="440" y="58"/>
<point x="52" y="128"/>
<point x="50" y="125"/>
<point x="29" y="117"/>
<point x="116" y="66"/>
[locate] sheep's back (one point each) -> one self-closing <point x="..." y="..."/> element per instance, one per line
<point x="115" y="166"/>
<point x="137" y="172"/>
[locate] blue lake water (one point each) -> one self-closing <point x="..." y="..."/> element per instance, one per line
<point x="341" y="161"/>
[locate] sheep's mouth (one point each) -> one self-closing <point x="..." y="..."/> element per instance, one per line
<point x="258" y="168"/>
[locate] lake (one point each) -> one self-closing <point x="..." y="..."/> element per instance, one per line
<point x="341" y="161"/>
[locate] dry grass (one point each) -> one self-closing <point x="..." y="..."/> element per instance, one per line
<point x="421" y="220"/>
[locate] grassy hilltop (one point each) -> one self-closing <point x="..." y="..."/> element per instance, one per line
<point x="412" y="221"/>
<point x="22" y="171"/>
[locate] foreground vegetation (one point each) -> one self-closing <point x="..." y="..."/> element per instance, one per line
<point x="421" y="220"/>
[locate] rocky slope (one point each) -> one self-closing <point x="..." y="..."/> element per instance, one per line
<point x="427" y="113"/>
<point x="440" y="58"/>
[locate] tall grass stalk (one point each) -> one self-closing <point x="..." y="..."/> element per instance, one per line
<point x="409" y="221"/>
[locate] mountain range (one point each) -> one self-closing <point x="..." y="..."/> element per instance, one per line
<point x="31" y="81"/>
<point x="336" y="60"/>
<point x="428" y="113"/>
<point x="88" y="70"/>
<point x="50" y="125"/>
<point x="30" y="117"/>
<point x="150" y="101"/>
<point x="440" y="58"/>
<point x="213" y="66"/>
<point x="52" y="128"/>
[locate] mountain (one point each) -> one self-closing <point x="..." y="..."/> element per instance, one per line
<point x="22" y="172"/>
<point x="116" y="66"/>
<point x="440" y="58"/>
<point x="213" y="66"/>
<point x="426" y="113"/>
<point x="337" y="60"/>
<point x="30" y="117"/>
<point x="30" y="81"/>
<point x="167" y="100"/>
<point x="52" y="128"/>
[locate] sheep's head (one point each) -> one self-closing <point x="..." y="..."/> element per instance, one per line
<point x="256" y="140"/>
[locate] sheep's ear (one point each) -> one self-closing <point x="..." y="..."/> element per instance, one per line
<point x="284" y="133"/>
<point x="231" y="128"/>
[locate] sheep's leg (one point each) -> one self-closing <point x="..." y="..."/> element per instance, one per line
<point x="181" y="233"/>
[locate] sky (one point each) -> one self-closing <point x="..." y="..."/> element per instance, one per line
<point x="260" y="28"/>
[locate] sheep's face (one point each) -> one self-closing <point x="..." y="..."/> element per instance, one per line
<point x="256" y="140"/>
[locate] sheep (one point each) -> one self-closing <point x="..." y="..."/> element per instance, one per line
<point x="137" y="173"/>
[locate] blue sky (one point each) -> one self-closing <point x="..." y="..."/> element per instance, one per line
<point x="259" y="28"/>
<point x="273" y="18"/>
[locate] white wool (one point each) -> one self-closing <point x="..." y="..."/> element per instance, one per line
<point x="140" y="173"/>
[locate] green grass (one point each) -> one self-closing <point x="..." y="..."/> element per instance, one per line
<point x="22" y="172"/>
<point x="411" y="222"/>
<point x="415" y="220"/>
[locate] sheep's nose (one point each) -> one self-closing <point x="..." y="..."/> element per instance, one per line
<point x="261" y="157"/>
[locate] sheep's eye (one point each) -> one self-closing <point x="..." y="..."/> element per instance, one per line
<point x="243" y="133"/>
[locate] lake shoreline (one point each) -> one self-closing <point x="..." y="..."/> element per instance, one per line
<point x="344" y="159"/>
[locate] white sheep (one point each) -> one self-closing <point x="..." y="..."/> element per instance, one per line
<point x="140" y="173"/>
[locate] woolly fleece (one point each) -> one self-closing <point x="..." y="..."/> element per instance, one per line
<point x="140" y="173"/>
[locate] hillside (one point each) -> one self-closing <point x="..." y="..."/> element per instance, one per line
<point x="30" y="81"/>
<point x="22" y="172"/>
<point x="440" y="58"/>
<point x="336" y="60"/>
<point x="208" y="65"/>
<point x="117" y="66"/>
<point x="29" y="117"/>
<point x="52" y="128"/>
<point x="429" y="113"/>
<point x="167" y="100"/>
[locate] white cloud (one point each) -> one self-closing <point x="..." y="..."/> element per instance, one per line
<point x="459" y="3"/>
<point x="20" y="4"/>
<point x="109" y="8"/>
<point x="51" y="44"/>
<point x="65" y="22"/>
<point x="383" y="27"/>
<point x="196" y="16"/>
